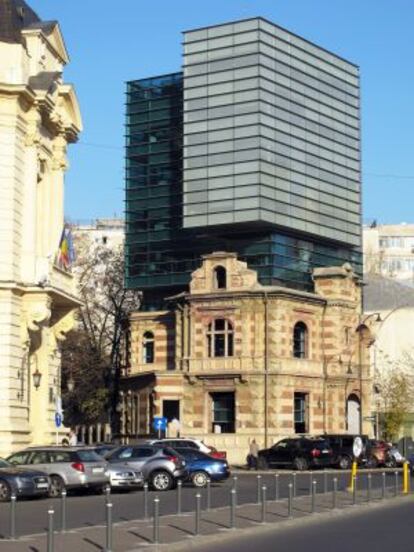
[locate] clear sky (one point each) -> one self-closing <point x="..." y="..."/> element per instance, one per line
<point x="111" y="42"/>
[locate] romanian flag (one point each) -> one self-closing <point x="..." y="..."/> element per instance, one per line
<point x="66" y="252"/>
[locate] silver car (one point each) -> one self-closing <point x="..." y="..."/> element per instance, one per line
<point x="67" y="467"/>
<point x="123" y="477"/>
<point x="161" y="466"/>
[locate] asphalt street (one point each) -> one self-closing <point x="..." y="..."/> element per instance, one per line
<point x="88" y="510"/>
<point x="387" y="529"/>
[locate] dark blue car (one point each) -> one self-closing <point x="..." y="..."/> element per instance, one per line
<point x="201" y="467"/>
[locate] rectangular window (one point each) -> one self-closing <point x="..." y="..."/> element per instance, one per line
<point x="300" y="406"/>
<point x="223" y="412"/>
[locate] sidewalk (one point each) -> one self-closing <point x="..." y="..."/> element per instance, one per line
<point x="177" y="531"/>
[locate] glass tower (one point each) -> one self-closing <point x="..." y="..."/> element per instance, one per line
<point x="254" y="148"/>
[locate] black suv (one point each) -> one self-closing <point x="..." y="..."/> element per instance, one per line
<point x="299" y="453"/>
<point x="342" y="447"/>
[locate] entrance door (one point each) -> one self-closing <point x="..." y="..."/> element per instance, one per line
<point x="171" y="410"/>
<point x="353" y="414"/>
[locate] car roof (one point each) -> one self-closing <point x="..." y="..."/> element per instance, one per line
<point x="60" y="448"/>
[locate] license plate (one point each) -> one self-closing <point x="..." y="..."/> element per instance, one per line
<point x="42" y="485"/>
<point x="97" y="470"/>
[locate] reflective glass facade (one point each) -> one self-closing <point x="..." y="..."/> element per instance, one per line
<point x="271" y="132"/>
<point x="254" y="148"/>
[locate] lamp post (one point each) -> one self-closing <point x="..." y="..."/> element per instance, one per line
<point x="361" y="326"/>
<point x="37" y="376"/>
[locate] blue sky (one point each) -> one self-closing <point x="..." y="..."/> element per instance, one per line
<point x="112" y="42"/>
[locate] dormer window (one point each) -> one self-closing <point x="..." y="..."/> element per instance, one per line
<point x="220" y="277"/>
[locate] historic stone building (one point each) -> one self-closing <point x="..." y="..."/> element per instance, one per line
<point x="39" y="116"/>
<point x="233" y="359"/>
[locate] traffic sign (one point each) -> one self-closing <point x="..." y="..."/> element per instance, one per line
<point x="160" y="424"/>
<point x="357" y="447"/>
<point x="58" y="419"/>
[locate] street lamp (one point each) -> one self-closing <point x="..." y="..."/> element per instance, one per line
<point x="71" y="384"/>
<point x="37" y="376"/>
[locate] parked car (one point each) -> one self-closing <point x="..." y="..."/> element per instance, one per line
<point x="342" y="448"/>
<point x="161" y="466"/>
<point x="201" y="467"/>
<point x="299" y="453"/>
<point x="123" y="478"/>
<point x="381" y="453"/>
<point x="67" y="467"/>
<point x="21" y="482"/>
<point x="104" y="449"/>
<point x="196" y="444"/>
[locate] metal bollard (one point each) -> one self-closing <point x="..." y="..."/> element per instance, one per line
<point x="383" y="486"/>
<point x="50" y="530"/>
<point x="233" y="509"/>
<point x="276" y="486"/>
<point x="63" y="511"/>
<point x="108" y="545"/>
<point x="208" y="497"/>
<point x="294" y="475"/>
<point x="354" y="491"/>
<point x="107" y="494"/>
<point x="145" y="500"/>
<point x="396" y="484"/>
<point x="259" y="477"/>
<point x="179" y="491"/>
<point x="264" y="504"/>
<point x="156" y="521"/>
<point x="290" y="500"/>
<point x="325" y="481"/>
<point x="310" y="482"/>
<point x="197" y="514"/>
<point x="235" y="482"/>
<point x="313" y="506"/>
<point x="334" y="491"/>
<point x="369" y="483"/>
<point x="13" y="517"/>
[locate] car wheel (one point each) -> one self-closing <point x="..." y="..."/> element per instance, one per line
<point x="262" y="463"/>
<point x="199" y="479"/>
<point x="56" y="486"/>
<point x="344" y="463"/>
<point x="5" y="491"/>
<point x="300" y="464"/>
<point x="161" y="481"/>
<point x="390" y="462"/>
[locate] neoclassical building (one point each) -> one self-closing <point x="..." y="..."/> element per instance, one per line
<point x="39" y="116"/>
<point x="232" y="359"/>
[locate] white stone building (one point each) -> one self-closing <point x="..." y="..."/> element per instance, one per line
<point x="39" y="116"/>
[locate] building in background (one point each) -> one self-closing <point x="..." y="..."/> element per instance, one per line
<point x="389" y="251"/>
<point x="109" y="233"/>
<point x="253" y="148"/>
<point x="234" y="360"/>
<point x="39" y="116"/>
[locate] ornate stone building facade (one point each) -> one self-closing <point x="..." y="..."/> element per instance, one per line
<point x="39" y="116"/>
<point x="234" y="360"/>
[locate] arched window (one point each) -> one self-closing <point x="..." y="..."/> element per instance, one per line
<point x="148" y="348"/>
<point x="220" y="338"/>
<point x="220" y="277"/>
<point x="300" y="340"/>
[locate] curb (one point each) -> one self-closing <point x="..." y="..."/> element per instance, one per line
<point x="228" y="534"/>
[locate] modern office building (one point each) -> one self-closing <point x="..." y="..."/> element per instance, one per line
<point x="253" y="148"/>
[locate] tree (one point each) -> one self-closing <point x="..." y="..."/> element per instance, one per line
<point x="91" y="355"/>
<point x="394" y="382"/>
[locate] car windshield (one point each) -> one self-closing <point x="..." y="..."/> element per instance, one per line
<point x="88" y="456"/>
<point x="4" y="463"/>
